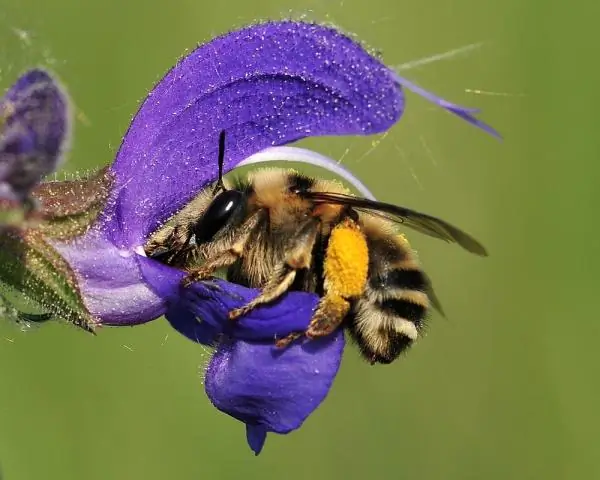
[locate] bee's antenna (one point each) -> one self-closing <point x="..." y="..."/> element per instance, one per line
<point x="220" y="185"/>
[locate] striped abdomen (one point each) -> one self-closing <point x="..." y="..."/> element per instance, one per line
<point x="389" y="316"/>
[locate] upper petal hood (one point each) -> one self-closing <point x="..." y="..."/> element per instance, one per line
<point x="265" y="85"/>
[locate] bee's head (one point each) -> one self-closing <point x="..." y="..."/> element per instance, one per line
<point x="226" y="205"/>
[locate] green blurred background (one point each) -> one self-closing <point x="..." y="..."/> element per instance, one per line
<point x="505" y="388"/>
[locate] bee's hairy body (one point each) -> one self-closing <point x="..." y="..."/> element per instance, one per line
<point x="280" y="239"/>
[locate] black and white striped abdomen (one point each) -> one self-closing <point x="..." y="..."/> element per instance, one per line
<point x="390" y="315"/>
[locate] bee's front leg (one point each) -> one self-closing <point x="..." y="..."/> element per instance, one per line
<point x="285" y="341"/>
<point x="168" y="242"/>
<point x="223" y="259"/>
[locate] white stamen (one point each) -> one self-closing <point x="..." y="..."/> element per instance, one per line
<point x="438" y="56"/>
<point x="494" y="94"/>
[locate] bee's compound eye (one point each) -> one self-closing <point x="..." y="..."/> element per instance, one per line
<point x="218" y="213"/>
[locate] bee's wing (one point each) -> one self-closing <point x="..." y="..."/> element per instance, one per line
<point x="435" y="301"/>
<point x="421" y="222"/>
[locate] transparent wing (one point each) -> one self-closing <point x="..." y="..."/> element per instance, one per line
<point x="420" y="222"/>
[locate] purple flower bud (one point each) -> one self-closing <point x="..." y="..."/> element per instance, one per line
<point x="34" y="131"/>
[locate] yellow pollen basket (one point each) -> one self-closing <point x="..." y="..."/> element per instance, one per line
<point x="347" y="260"/>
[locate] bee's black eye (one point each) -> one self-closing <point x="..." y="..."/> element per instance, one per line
<point x="218" y="214"/>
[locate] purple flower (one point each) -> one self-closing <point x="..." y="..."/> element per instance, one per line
<point x="34" y="130"/>
<point x="266" y="86"/>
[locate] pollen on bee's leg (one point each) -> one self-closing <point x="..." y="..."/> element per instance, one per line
<point x="345" y="270"/>
<point x="330" y="314"/>
<point x="347" y="260"/>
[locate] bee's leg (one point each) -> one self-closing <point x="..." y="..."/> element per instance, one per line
<point x="330" y="314"/>
<point x="345" y="271"/>
<point x="222" y="259"/>
<point x="285" y="341"/>
<point x="280" y="282"/>
<point x="166" y="243"/>
<point x="299" y="255"/>
<point x="226" y="251"/>
<point x="212" y="285"/>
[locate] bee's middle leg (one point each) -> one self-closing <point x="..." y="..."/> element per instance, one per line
<point x="299" y="256"/>
<point x="280" y="282"/>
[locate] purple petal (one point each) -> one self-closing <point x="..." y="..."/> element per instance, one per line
<point x="186" y="323"/>
<point x="200" y="311"/>
<point x="256" y="435"/>
<point x="292" y="312"/>
<point x="111" y="281"/>
<point x="165" y="281"/>
<point x="272" y="390"/>
<point x="121" y="287"/>
<point x="465" y="113"/>
<point x="265" y="85"/>
<point x="34" y="130"/>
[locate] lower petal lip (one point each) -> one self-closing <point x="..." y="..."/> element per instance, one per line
<point x="269" y="389"/>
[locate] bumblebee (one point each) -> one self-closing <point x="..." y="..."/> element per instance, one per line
<point x="278" y="230"/>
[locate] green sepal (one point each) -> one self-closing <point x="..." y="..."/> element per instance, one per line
<point x="38" y="280"/>
<point x="66" y="209"/>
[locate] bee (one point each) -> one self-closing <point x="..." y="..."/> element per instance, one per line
<point x="279" y="230"/>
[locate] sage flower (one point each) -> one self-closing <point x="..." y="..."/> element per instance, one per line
<point x="266" y="86"/>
